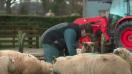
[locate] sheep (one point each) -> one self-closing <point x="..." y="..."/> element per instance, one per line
<point x="26" y="63"/>
<point x="125" y="54"/>
<point x="91" y="64"/>
<point x="6" y="65"/>
<point x="34" y="66"/>
<point x="47" y="67"/>
<point x="87" y="47"/>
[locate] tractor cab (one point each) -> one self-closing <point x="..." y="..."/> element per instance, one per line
<point x="118" y="10"/>
<point x="120" y="7"/>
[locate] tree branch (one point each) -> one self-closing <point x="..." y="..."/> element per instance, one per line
<point x="14" y="1"/>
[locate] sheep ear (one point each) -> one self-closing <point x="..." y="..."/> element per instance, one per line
<point x="51" y="70"/>
<point x="12" y="59"/>
<point x="11" y="66"/>
<point x="54" y="60"/>
<point x="116" y="52"/>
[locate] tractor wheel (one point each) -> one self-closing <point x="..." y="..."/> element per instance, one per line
<point x="123" y="35"/>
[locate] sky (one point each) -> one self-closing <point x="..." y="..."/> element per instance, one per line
<point x="18" y="1"/>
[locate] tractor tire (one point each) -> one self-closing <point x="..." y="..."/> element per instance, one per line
<point x="123" y="35"/>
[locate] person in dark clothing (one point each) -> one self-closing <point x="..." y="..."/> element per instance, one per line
<point x="64" y="36"/>
<point x="59" y="37"/>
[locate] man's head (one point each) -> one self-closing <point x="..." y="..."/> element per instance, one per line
<point x="103" y="13"/>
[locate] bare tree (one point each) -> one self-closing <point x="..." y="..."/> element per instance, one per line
<point x="8" y="4"/>
<point x="59" y="7"/>
<point x="24" y="6"/>
<point x="76" y="6"/>
<point x="63" y="7"/>
<point x="46" y="5"/>
<point x="2" y="2"/>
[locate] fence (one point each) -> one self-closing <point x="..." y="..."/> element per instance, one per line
<point x="33" y="26"/>
<point x="8" y="35"/>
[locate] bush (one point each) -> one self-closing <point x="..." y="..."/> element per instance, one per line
<point x="44" y="22"/>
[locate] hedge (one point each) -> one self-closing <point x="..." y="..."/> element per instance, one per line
<point x="44" y="22"/>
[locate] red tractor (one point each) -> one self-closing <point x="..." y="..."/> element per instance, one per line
<point x="116" y="28"/>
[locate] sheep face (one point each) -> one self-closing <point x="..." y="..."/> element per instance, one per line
<point x="122" y="52"/>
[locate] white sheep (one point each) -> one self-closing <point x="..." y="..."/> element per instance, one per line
<point x="26" y="63"/>
<point x="6" y="65"/>
<point x="125" y="54"/>
<point x="91" y="64"/>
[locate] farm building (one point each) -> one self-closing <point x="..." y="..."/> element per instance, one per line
<point x="91" y="7"/>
